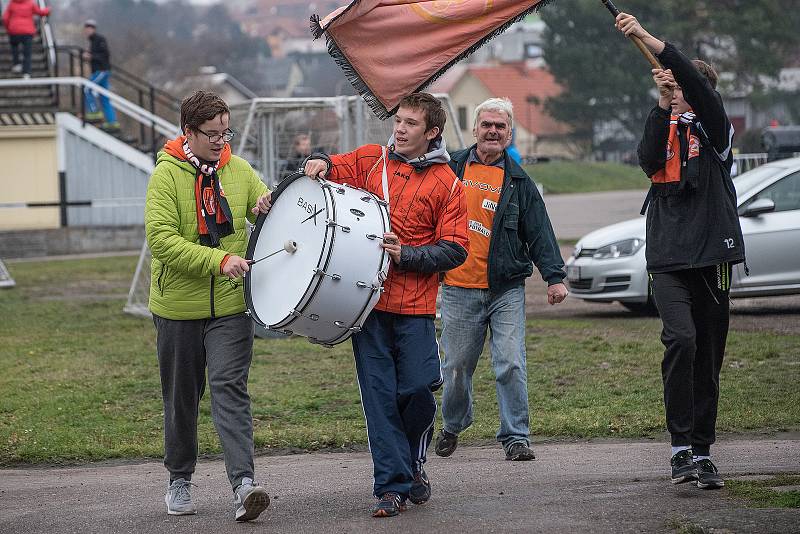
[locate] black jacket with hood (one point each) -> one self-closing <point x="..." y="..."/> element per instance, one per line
<point x="695" y="224"/>
<point x="521" y="231"/>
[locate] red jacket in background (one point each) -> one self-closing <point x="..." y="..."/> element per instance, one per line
<point x="18" y="16"/>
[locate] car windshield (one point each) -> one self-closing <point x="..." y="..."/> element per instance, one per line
<point x="750" y="179"/>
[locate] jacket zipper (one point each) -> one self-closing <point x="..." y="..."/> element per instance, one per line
<point x="160" y="278"/>
<point x="212" y="296"/>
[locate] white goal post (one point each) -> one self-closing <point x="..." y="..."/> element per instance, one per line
<point x="5" y="277"/>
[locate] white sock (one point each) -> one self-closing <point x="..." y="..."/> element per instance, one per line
<point x="676" y="450"/>
<point x="698" y="458"/>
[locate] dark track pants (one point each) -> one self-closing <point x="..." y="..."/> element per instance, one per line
<point x="224" y="345"/>
<point x="694" y="309"/>
<point x="397" y="362"/>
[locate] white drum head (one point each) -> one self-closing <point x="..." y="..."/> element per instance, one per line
<point x="276" y="284"/>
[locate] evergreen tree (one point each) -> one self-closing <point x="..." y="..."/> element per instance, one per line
<point x="607" y="78"/>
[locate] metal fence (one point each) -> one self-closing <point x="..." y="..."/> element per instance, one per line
<point x="269" y="126"/>
<point x="747" y="162"/>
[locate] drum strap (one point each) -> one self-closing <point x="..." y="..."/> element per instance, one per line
<point x="385" y="178"/>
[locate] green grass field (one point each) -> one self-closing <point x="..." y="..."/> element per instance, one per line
<point x="761" y="493"/>
<point x="80" y="379"/>
<point x="585" y="177"/>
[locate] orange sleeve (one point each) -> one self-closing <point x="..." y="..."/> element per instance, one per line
<point x="353" y="167"/>
<point x="452" y="225"/>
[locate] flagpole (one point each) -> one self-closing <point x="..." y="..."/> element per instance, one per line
<point x="635" y="38"/>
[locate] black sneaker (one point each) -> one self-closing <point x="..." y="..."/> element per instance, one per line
<point x="390" y="504"/>
<point x="707" y="475"/>
<point x="683" y="468"/>
<point x="519" y="452"/>
<point x="420" y="488"/>
<point x="446" y="443"/>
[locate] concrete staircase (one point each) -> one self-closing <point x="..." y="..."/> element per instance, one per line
<point x="25" y="103"/>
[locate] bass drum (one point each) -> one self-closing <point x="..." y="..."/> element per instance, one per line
<point x="317" y="265"/>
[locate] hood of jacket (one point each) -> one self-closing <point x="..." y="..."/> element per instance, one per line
<point x="437" y="153"/>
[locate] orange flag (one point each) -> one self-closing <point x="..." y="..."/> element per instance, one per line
<point x="391" y="48"/>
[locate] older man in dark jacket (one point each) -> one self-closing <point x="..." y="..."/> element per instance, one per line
<point x="509" y="232"/>
<point x="693" y="239"/>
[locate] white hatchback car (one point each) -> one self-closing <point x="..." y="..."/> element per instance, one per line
<point x="609" y="265"/>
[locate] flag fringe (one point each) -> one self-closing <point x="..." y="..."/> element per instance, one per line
<point x="357" y="82"/>
<point x="316" y="27"/>
<point x="363" y="89"/>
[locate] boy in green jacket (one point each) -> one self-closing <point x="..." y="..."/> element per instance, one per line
<point x="197" y="201"/>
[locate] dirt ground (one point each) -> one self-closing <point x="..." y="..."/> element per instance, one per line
<point x="778" y="314"/>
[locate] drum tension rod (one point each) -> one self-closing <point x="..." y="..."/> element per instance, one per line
<point x="345" y="229"/>
<point x="364" y="285"/>
<point x="323" y="273"/>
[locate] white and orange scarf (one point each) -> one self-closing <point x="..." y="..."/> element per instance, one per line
<point x="214" y="218"/>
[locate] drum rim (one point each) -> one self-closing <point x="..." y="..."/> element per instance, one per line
<point x="348" y="331"/>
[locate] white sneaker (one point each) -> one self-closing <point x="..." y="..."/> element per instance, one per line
<point x="26" y="76"/>
<point x="16" y="69"/>
<point x="179" y="498"/>
<point x="250" y="499"/>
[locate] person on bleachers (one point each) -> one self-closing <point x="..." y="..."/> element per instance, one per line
<point x="100" y="59"/>
<point x="18" y="20"/>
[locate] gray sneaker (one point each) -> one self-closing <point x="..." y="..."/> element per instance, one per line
<point x="250" y="499"/>
<point x="179" y="498"/>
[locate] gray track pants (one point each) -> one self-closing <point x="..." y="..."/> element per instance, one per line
<point x="185" y="348"/>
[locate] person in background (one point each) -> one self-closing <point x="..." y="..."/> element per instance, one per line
<point x="99" y="57"/>
<point x="18" y="20"/>
<point x="301" y="149"/>
<point x="512" y="150"/>
<point x="509" y="232"/>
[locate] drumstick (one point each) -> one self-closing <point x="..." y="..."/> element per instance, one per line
<point x="289" y="246"/>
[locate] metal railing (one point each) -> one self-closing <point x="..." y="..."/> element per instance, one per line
<point x="65" y="62"/>
<point x="47" y="36"/>
<point x="746" y="162"/>
<point x="70" y="63"/>
<point x="134" y="111"/>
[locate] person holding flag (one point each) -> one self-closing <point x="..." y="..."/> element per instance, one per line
<point x="693" y="240"/>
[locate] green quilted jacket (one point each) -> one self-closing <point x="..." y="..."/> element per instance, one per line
<point x="185" y="277"/>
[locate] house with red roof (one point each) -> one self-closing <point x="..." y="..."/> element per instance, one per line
<point x="536" y="133"/>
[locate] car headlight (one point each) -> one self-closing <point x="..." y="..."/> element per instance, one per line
<point x="627" y="247"/>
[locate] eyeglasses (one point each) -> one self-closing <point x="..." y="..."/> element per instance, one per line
<point x="226" y="136"/>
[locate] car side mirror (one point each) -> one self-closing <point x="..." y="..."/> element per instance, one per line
<point x="756" y="208"/>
